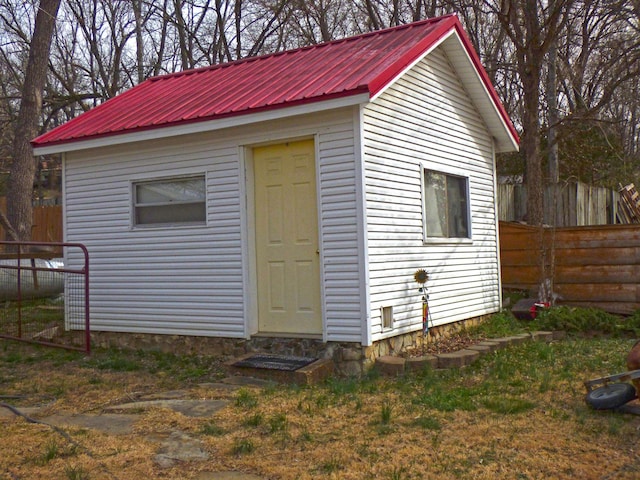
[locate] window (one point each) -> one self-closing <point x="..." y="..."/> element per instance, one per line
<point x="446" y="202"/>
<point x="170" y="201"/>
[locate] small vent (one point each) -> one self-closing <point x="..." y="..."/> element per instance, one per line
<point x="387" y="317"/>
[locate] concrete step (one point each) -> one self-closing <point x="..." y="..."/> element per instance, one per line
<point x="314" y="372"/>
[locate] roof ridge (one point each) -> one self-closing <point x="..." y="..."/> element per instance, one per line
<point x="194" y="71"/>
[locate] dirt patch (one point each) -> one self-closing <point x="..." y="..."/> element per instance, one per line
<point x="452" y="343"/>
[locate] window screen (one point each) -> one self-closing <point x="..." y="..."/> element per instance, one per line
<point x="170" y="201"/>
<point x="446" y="201"/>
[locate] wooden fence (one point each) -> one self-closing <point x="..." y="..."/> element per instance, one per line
<point x="47" y="223"/>
<point x="595" y="266"/>
<point x="565" y="205"/>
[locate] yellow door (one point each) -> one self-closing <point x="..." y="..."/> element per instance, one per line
<point x="287" y="254"/>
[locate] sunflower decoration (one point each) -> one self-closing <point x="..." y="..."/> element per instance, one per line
<point x="421" y="276"/>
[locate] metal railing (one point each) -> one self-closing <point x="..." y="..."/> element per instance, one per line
<point x="41" y="300"/>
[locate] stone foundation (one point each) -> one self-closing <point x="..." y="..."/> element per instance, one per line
<point x="350" y="359"/>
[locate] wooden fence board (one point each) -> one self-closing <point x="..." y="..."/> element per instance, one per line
<point x="589" y="266"/>
<point x="597" y="292"/>
<point x="597" y="256"/>
<point x="47" y="223"/>
<point x="565" y="205"/>
<point x="622" y="274"/>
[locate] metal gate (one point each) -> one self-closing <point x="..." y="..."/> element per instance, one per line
<point x="42" y="300"/>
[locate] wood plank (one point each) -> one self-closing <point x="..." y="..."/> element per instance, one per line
<point x="592" y="265"/>
<point x="614" y="274"/>
<point x="521" y="275"/>
<point x="587" y="256"/>
<point x="597" y="292"/>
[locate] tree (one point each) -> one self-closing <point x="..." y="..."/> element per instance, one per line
<point x="532" y="26"/>
<point x="103" y="47"/>
<point x="19" y="199"/>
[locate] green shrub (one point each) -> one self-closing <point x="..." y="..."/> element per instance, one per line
<point x="580" y="320"/>
<point x="502" y="324"/>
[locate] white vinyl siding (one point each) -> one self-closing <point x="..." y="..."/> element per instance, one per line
<point x="341" y="259"/>
<point x="190" y="280"/>
<point x="425" y="120"/>
<point x="187" y="279"/>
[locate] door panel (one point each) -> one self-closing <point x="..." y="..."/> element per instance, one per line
<point x="287" y="259"/>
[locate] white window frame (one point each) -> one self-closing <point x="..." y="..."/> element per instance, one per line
<point x="451" y="172"/>
<point x="174" y="178"/>
<point x="387" y="318"/>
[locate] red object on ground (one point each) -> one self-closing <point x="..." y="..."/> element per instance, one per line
<point x="528" y="308"/>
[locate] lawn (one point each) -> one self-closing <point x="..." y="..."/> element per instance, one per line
<point x="518" y="413"/>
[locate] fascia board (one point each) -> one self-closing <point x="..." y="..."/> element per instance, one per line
<point x="205" y="126"/>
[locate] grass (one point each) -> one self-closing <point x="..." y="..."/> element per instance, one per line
<point x="517" y="413"/>
<point x="212" y="428"/>
<point x="278" y="423"/>
<point x="76" y="473"/>
<point x="243" y="446"/>
<point x="254" y="420"/>
<point x="52" y="450"/>
<point x="386" y="412"/>
<point x="246" y="399"/>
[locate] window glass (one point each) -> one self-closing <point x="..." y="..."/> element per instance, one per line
<point x="170" y="201"/>
<point x="446" y="205"/>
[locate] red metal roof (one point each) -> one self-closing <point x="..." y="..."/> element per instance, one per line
<point x="361" y="64"/>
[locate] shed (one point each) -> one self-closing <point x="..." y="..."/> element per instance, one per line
<point x="286" y="200"/>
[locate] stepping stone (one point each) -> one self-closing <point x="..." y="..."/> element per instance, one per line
<point x="458" y="359"/>
<point x="390" y="365"/>
<point x="170" y="395"/>
<point x="503" y="341"/>
<point x="243" y="381"/>
<point x="542" y="335"/>
<point x="414" y="364"/>
<point x="28" y="411"/>
<point x="493" y="346"/>
<point x="189" y="408"/>
<point x="179" y="447"/>
<point x="222" y="387"/>
<point x="113" y="424"/>
<point x="481" y="349"/>
<point x="519" y="339"/>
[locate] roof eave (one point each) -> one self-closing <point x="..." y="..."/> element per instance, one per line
<point x="204" y="125"/>
<point x="477" y="81"/>
<point x="484" y="94"/>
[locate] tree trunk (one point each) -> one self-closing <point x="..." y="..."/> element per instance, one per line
<point x="137" y="12"/>
<point x="19" y="198"/>
<point x="552" y="115"/>
<point x="531" y="148"/>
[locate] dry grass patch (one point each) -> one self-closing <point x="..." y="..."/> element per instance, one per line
<point x="518" y="413"/>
